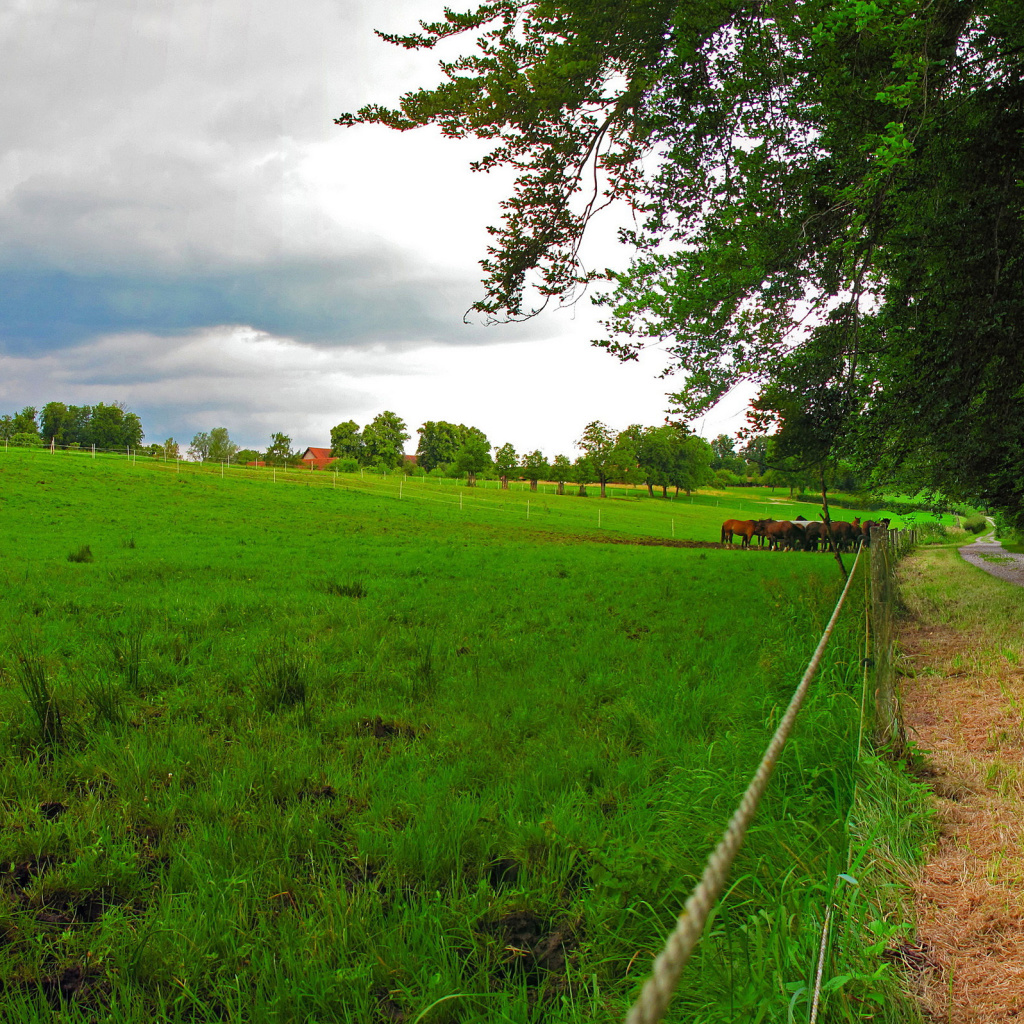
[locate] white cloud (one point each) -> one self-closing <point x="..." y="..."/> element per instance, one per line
<point x="179" y="165"/>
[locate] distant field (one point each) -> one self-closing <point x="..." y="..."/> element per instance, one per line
<point x="629" y="512"/>
<point x="324" y="753"/>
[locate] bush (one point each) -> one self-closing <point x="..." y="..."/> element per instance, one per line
<point x="975" y="524"/>
<point x="347" y="466"/>
<point x="26" y="439"/>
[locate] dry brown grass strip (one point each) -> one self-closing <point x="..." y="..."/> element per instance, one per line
<point x="962" y="705"/>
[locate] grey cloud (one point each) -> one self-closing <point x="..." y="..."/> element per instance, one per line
<point x="359" y="301"/>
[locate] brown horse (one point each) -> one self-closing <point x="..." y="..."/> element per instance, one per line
<point x="782" y="535"/>
<point x="741" y="527"/>
<point x="761" y="530"/>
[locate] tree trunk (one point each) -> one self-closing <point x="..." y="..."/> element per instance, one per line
<point x="504" y="483"/>
<point x="560" y="489"/>
<point x="828" y="523"/>
<point x="650" y="489"/>
<point x="533" y="485"/>
<point x="664" y="490"/>
<point x="471" y="479"/>
<point x="583" y="490"/>
<point x="602" y="488"/>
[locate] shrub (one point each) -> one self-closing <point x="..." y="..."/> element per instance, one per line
<point x="347" y="466"/>
<point x="975" y="523"/>
<point x="26" y="439"/>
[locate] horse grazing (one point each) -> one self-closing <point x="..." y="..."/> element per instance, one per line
<point x="741" y="527"/>
<point x="761" y="530"/>
<point x="782" y="535"/>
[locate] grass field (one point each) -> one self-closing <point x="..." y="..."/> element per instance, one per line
<point x="306" y="751"/>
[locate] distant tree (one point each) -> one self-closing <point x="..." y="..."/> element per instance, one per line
<point x="506" y="462"/>
<point x="561" y="470"/>
<point x="692" y="467"/>
<point x="222" y="448"/>
<point x="54" y="422"/>
<point x="723" y="451"/>
<point x="6" y="427"/>
<point x="624" y="460"/>
<point x="438" y="442"/>
<point x="534" y="467"/>
<point x="25" y="421"/>
<point x="583" y="473"/>
<point x="756" y="451"/>
<point x="279" y="451"/>
<point x="246" y="455"/>
<point x="598" y="445"/>
<point x="384" y="440"/>
<point x="472" y="458"/>
<point x="658" y="453"/>
<point x="346" y="441"/>
<point x="199" y="447"/>
<point x="113" y="427"/>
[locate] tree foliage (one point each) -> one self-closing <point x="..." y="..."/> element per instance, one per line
<point x="112" y="426"/>
<point x="598" y="446"/>
<point x="827" y="202"/>
<point x="473" y="457"/>
<point x="346" y="441"/>
<point x="279" y="451"/>
<point x="440" y="440"/>
<point x="506" y="462"/>
<point x="384" y="440"/>
<point x="534" y="467"/>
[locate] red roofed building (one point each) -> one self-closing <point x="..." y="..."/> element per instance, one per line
<point x="318" y="458"/>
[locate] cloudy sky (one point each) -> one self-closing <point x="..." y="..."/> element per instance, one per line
<point x="183" y="228"/>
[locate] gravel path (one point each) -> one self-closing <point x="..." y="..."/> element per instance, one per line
<point x="988" y="554"/>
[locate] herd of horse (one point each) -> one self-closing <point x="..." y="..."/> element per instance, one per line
<point x="800" y="534"/>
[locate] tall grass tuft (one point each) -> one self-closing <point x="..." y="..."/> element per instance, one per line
<point x="355" y="589"/>
<point x="282" y="682"/>
<point x="31" y="674"/>
<point x="106" y="699"/>
<point x="128" y="654"/>
<point x="83" y="554"/>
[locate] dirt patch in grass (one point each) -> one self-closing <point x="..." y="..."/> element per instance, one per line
<point x="382" y="730"/>
<point x="523" y="945"/>
<point x="961" y="708"/>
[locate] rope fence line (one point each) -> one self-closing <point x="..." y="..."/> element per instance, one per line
<point x="659" y="988"/>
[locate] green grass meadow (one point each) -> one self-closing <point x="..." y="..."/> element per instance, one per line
<point x="311" y="749"/>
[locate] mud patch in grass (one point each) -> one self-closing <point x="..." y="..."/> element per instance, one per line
<point x="525" y="946"/>
<point x="382" y="730"/>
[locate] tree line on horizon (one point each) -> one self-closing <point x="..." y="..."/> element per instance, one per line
<point x="663" y="456"/>
<point x="73" y="426"/>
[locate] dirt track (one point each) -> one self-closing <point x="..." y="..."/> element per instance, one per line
<point x="962" y="709"/>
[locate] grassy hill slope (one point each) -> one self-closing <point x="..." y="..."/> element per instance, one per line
<point x="298" y="751"/>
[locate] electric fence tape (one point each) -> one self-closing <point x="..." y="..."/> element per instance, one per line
<point x="668" y="965"/>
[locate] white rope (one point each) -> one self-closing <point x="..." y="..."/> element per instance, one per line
<point x="668" y="965"/>
<point x="821" y="965"/>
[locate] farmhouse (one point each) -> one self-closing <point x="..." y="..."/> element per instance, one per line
<point x="317" y="458"/>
